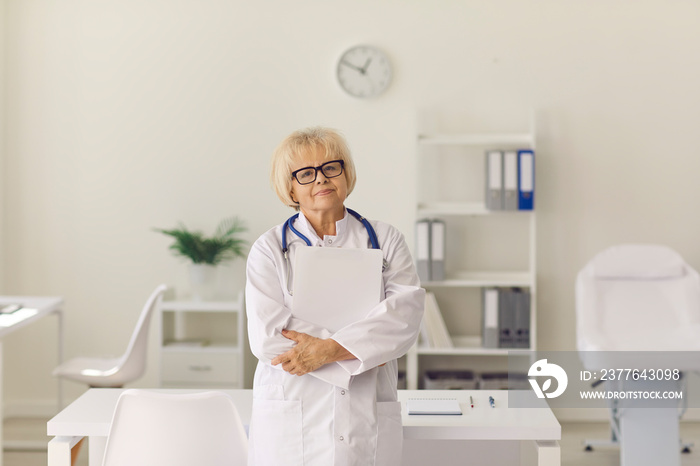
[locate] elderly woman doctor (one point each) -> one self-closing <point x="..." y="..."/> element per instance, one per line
<point x="328" y="400"/>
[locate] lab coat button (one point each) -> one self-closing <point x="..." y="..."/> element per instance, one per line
<point x="342" y="392"/>
<point x="341" y="438"/>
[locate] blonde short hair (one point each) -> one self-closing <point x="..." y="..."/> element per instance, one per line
<point x="294" y="146"/>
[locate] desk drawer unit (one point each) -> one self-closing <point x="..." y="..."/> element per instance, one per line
<point x="205" y="368"/>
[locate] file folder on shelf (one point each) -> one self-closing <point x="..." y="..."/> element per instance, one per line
<point x="526" y="180"/>
<point x="423" y="246"/>
<point x="494" y="180"/>
<point x="510" y="180"/>
<point x="424" y="339"/>
<point x="506" y="318"/>
<point x="437" y="250"/>
<point x="438" y="335"/>
<point x="489" y="318"/>
<point x="522" y="319"/>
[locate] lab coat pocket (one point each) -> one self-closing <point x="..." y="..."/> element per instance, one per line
<point x="275" y="433"/>
<point x="269" y="392"/>
<point x="389" y="434"/>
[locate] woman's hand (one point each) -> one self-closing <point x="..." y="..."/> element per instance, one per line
<point x="309" y="353"/>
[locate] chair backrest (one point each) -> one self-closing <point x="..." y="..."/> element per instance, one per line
<point x="638" y="297"/>
<point x="154" y="428"/>
<point x="133" y="363"/>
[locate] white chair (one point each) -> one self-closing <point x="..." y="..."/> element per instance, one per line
<point x="632" y="298"/>
<point x="151" y="428"/>
<point x="115" y="372"/>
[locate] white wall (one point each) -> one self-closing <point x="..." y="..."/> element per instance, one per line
<point x="124" y="116"/>
<point x="3" y="47"/>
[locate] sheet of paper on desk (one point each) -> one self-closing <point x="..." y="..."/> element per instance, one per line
<point x="449" y="406"/>
<point x="9" y="308"/>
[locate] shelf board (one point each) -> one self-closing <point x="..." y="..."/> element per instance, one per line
<point x="468" y="346"/>
<point x="201" y="306"/>
<point x="481" y="279"/>
<point x="462" y="208"/>
<point x="211" y="348"/>
<point x="477" y="139"/>
<point x="452" y="208"/>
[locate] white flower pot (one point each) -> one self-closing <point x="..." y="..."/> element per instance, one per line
<point x="203" y="282"/>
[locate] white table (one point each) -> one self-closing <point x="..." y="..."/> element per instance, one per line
<point x="34" y="308"/>
<point x="521" y="436"/>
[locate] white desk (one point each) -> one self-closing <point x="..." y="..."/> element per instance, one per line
<point x="34" y="308"/>
<point x="531" y="434"/>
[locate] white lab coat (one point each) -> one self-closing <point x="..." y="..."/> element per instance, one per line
<point x="344" y="413"/>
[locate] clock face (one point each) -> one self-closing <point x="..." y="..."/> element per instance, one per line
<point x="364" y="71"/>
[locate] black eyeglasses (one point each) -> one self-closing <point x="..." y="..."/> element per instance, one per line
<point x="308" y="175"/>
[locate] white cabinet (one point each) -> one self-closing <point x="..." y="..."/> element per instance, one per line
<point x="201" y="344"/>
<point x="484" y="248"/>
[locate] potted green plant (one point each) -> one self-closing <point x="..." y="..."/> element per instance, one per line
<point x="205" y="253"/>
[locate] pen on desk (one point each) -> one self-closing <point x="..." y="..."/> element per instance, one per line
<point x="492" y="402"/>
<point x="471" y="400"/>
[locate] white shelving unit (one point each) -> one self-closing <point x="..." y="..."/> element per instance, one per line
<point x="201" y="344"/>
<point x="457" y="208"/>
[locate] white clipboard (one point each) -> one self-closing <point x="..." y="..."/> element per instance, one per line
<point x="334" y="287"/>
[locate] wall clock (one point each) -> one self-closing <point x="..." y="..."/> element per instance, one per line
<point x="363" y="71"/>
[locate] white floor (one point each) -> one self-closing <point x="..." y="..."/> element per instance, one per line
<point x="572" y="452"/>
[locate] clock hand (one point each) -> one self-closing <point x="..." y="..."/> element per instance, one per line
<point x="364" y="68"/>
<point x="361" y="70"/>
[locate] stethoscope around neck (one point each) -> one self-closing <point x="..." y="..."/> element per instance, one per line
<point x="289" y="224"/>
